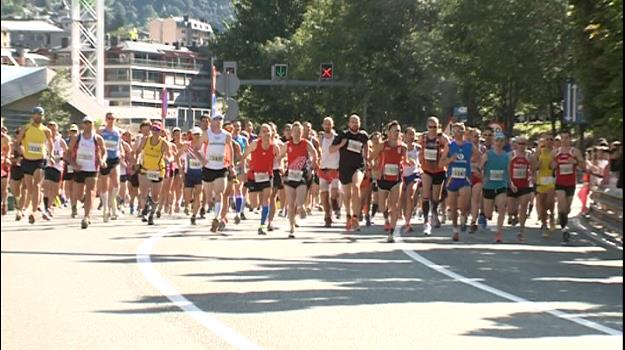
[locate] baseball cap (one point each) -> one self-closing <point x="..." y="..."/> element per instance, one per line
<point x="217" y="116"/>
<point x="38" y="110"/>
<point x="500" y="136"/>
<point x="176" y="129"/>
<point x="88" y="119"/>
<point x="196" y="131"/>
<point x="73" y="127"/>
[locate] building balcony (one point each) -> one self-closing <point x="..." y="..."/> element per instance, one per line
<point x="154" y="63"/>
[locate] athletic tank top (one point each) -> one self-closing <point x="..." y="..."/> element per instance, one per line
<point x="545" y="173"/>
<point x="86" y="154"/>
<point x="112" y="140"/>
<point x="34" y="142"/>
<point x="431" y="154"/>
<point x="216" y="150"/>
<point x="328" y="160"/>
<point x="242" y="141"/>
<point x="297" y="158"/>
<point x="565" y="171"/>
<point x="461" y="167"/>
<point x="414" y="155"/>
<point x="153" y="156"/>
<point x="261" y="164"/>
<point x="390" y="161"/>
<point x="193" y="165"/>
<point x="520" y="171"/>
<point x="496" y="170"/>
<point x="57" y="154"/>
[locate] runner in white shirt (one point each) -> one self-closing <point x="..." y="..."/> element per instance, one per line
<point x="329" y="184"/>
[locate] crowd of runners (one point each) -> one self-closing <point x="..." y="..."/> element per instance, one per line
<point x="220" y="170"/>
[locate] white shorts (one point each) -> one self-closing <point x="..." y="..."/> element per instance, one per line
<point x="325" y="186"/>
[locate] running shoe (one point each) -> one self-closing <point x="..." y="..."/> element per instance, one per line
<point x="566" y="235"/>
<point x="84" y="223"/>
<point x="368" y="221"/>
<point x="261" y="231"/>
<point x="193" y="220"/>
<point x="390" y="238"/>
<point x="214" y="225"/>
<point x="292" y="233"/>
<point x="498" y="237"/>
<point x="328" y="221"/>
<point x="435" y="221"/>
<point x="242" y="216"/>
<point x="270" y="228"/>
<point x="105" y="216"/>
<point x="237" y="219"/>
<point x="45" y="216"/>
<point x="18" y="215"/>
<point x="482" y="221"/>
<point x="456" y="236"/>
<point x="151" y="219"/>
<point x="222" y="225"/>
<point x="473" y="228"/>
<point x="427" y="229"/>
<point x="158" y="214"/>
<point x="31" y="219"/>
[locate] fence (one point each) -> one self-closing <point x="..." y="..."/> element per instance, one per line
<point x="606" y="210"/>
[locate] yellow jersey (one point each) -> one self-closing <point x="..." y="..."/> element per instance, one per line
<point x="153" y="160"/>
<point x="34" y="142"/>
<point x="544" y="179"/>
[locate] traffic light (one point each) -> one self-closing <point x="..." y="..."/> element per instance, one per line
<point x="327" y="71"/>
<point x="279" y="71"/>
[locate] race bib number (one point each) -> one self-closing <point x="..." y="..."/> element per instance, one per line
<point x="85" y="156"/>
<point x="153" y="175"/>
<point x="111" y="145"/>
<point x="496" y="175"/>
<point x="216" y="157"/>
<point x="354" y="146"/>
<point x="430" y="154"/>
<point x="35" y="148"/>
<point x="545" y="180"/>
<point x="295" y="175"/>
<point x="519" y="173"/>
<point x="195" y="164"/>
<point x="70" y="169"/>
<point x="566" y="169"/>
<point x="458" y="173"/>
<point x="262" y="177"/>
<point x="391" y="170"/>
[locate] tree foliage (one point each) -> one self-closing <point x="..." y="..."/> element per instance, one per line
<point x="53" y="100"/>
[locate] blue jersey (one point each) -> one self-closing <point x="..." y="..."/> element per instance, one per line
<point x="461" y="167"/>
<point x="242" y="141"/>
<point x="112" y="140"/>
<point x="496" y="170"/>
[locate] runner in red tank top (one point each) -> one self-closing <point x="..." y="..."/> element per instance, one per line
<point x="262" y="151"/>
<point x="519" y="192"/>
<point x="299" y="152"/>
<point x="566" y="160"/>
<point x="433" y="145"/>
<point x="391" y="157"/>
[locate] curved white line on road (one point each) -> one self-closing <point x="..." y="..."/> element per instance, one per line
<point x="505" y="295"/>
<point x="211" y="323"/>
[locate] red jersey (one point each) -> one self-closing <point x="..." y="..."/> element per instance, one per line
<point x="391" y="159"/>
<point x="297" y="154"/>
<point x="262" y="161"/>
<point x="565" y="171"/>
<point x="520" y="171"/>
<point x="431" y="154"/>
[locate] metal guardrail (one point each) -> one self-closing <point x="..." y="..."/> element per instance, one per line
<point x="607" y="210"/>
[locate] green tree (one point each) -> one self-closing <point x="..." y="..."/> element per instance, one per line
<point x="54" y="100"/>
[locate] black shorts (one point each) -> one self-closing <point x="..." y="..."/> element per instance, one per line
<point x="134" y="180"/>
<point x="52" y="174"/>
<point x="437" y="178"/>
<point x="346" y="173"/>
<point x="520" y="192"/>
<point x="277" y="179"/>
<point x="17" y="174"/>
<point x="258" y="186"/>
<point x="81" y="176"/>
<point x="30" y="166"/>
<point x="210" y="175"/>
<point x="569" y="190"/>
<point x="123" y="178"/>
<point x="192" y="179"/>
<point x="491" y="194"/>
<point x="385" y="185"/>
<point x="110" y="164"/>
<point x="68" y="176"/>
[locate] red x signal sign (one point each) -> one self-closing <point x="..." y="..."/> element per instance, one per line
<point x="327" y="71"/>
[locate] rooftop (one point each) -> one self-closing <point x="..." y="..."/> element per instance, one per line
<point x="30" y="26"/>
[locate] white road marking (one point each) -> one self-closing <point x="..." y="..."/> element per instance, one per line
<point x="211" y="323"/>
<point x="479" y="285"/>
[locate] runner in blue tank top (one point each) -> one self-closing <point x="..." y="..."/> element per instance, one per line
<point x="108" y="182"/>
<point x="458" y="162"/>
<point x="495" y="164"/>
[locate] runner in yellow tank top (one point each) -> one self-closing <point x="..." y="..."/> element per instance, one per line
<point x="152" y="152"/>
<point x="36" y="144"/>
<point x="545" y="184"/>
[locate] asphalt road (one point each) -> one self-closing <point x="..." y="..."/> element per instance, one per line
<point x="125" y="285"/>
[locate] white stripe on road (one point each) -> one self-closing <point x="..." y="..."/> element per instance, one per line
<point x="479" y="285"/>
<point x="209" y="322"/>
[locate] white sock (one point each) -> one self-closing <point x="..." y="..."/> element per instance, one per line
<point x="104" y="197"/>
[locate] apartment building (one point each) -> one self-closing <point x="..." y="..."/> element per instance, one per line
<point x="183" y="30"/>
